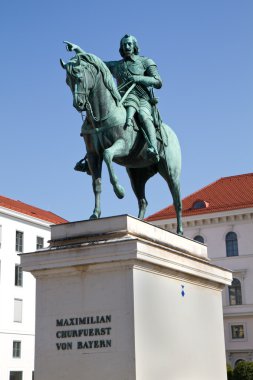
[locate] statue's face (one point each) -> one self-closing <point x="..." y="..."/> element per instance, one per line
<point x="128" y="46"/>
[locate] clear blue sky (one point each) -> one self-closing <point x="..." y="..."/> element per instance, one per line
<point x="204" y="52"/>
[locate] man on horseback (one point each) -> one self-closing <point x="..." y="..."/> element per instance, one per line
<point x="143" y="72"/>
<point x="104" y="130"/>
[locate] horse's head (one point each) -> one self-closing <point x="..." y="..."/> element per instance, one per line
<point x="80" y="78"/>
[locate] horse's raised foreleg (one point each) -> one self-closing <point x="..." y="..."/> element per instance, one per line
<point x="118" y="149"/>
<point x="95" y="164"/>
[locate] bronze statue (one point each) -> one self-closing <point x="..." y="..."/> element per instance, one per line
<point x="123" y="124"/>
<point x="143" y="72"/>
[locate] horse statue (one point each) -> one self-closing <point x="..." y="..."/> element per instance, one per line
<point x="107" y="138"/>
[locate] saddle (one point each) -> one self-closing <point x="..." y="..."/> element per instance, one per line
<point x="161" y="135"/>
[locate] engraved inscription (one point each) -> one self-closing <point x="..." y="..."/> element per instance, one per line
<point x="93" y="337"/>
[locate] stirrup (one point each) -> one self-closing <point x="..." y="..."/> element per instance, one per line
<point x="82" y="166"/>
<point x="153" y="154"/>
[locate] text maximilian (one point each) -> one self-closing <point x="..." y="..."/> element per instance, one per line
<point x="83" y="320"/>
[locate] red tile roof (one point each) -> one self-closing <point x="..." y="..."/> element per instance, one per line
<point x="26" y="209"/>
<point x="228" y="193"/>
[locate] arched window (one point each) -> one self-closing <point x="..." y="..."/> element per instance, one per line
<point x="239" y="361"/>
<point x="199" y="238"/>
<point x="231" y="244"/>
<point x="235" y="293"/>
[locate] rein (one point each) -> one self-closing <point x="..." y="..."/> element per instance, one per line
<point x="87" y="102"/>
<point x="89" y="107"/>
<point x="93" y="131"/>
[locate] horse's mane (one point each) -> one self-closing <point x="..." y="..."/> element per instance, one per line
<point x="106" y="74"/>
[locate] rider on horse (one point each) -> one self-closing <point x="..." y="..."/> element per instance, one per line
<point x="104" y="131"/>
<point x="143" y="72"/>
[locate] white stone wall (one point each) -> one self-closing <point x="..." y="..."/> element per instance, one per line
<point x="77" y="293"/>
<point x="10" y="331"/>
<point x="175" y="329"/>
<point x="214" y="227"/>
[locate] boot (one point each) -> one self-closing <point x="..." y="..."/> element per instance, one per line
<point x="152" y="151"/>
<point x="130" y="111"/>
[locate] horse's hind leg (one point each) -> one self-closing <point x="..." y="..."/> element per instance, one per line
<point x="175" y="191"/>
<point x="172" y="180"/>
<point x="118" y="149"/>
<point x="138" y="178"/>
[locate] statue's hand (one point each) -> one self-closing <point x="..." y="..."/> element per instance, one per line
<point x="144" y="81"/>
<point x="70" y="46"/>
<point x="136" y="78"/>
<point x="73" y="47"/>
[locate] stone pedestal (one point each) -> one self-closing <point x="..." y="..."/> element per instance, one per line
<point x="120" y="299"/>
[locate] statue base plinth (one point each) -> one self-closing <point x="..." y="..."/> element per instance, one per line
<point x="120" y="299"/>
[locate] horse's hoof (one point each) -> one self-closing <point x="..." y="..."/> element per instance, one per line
<point x="141" y="215"/>
<point x="94" y="216"/>
<point x="142" y="208"/>
<point x="119" y="191"/>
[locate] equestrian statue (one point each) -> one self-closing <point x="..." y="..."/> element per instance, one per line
<point x="122" y="123"/>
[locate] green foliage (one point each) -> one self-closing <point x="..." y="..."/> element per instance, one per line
<point x="229" y="372"/>
<point x="243" y="371"/>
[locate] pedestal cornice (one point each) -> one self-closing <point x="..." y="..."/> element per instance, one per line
<point x="123" y="239"/>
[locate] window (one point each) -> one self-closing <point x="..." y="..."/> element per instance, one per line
<point x="16" y="375"/>
<point x="199" y="238"/>
<point x="237" y="331"/>
<point x="200" y="204"/>
<point x="231" y="244"/>
<point x="235" y="293"/>
<point x="19" y="241"/>
<point x="18" y="275"/>
<point x="16" y="351"/>
<point x="40" y="242"/>
<point x="238" y="361"/>
<point x="18" y="304"/>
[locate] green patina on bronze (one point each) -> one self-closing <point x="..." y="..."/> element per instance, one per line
<point x="122" y="123"/>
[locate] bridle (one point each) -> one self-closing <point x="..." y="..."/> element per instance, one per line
<point x="86" y="93"/>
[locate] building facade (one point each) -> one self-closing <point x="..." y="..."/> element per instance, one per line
<point x="23" y="228"/>
<point x="221" y="216"/>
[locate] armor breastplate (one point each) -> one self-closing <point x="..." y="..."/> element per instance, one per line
<point x="122" y="73"/>
<point x="135" y="68"/>
<point x="126" y="69"/>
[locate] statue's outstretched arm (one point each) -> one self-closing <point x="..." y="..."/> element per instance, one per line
<point x="73" y="47"/>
